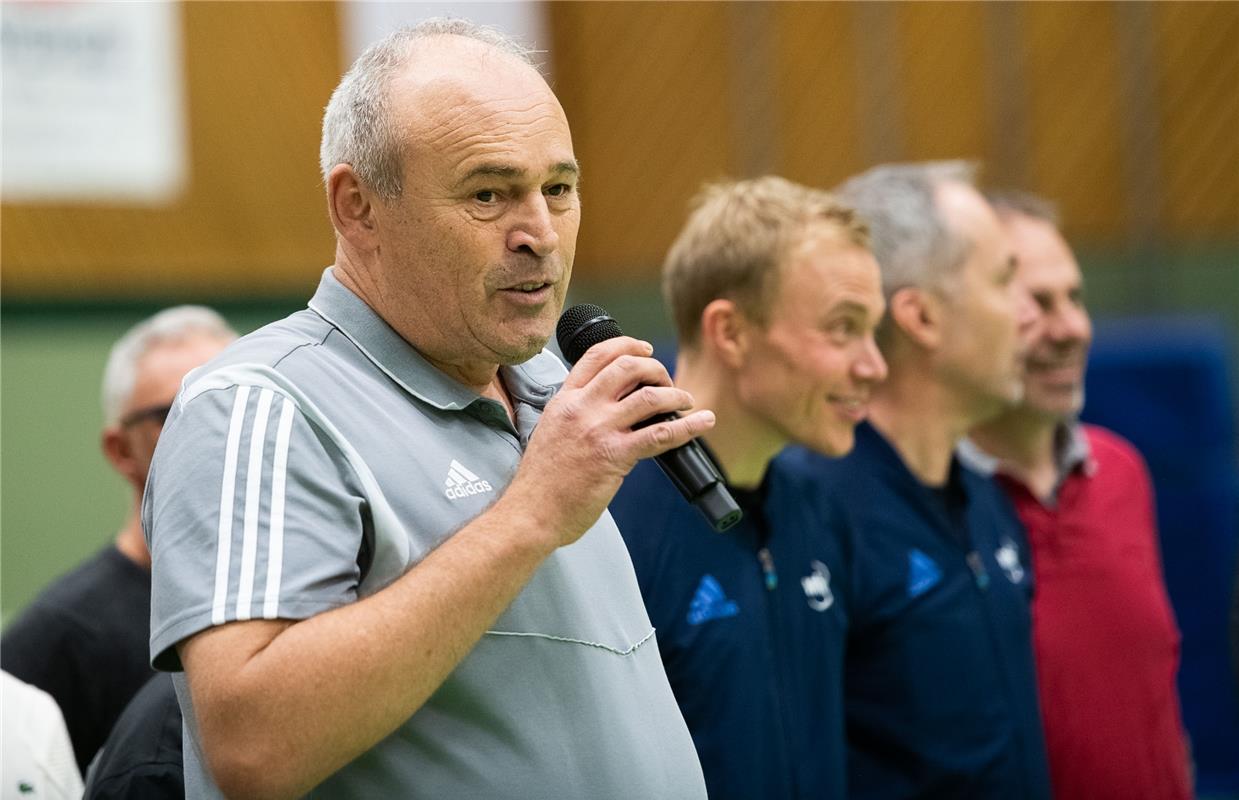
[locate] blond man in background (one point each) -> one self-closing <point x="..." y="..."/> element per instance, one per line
<point x="775" y="297"/>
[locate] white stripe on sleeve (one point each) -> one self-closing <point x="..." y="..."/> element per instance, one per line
<point x="253" y="502"/>
<point x="226" y="494"/>
<point x="275" y="548"/>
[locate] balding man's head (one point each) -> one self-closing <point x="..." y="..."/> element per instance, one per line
<point x="359" y="126"/>
<point x="455" y="206"/>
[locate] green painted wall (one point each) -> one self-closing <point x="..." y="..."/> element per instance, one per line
<point x="59" y="501"/>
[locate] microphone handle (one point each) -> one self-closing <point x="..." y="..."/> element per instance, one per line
<point x="698" y="478"/>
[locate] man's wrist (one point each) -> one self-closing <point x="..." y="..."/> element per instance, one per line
<point x="529" y="524"/>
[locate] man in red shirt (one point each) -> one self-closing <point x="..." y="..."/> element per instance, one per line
<point x="1104" y="635"/>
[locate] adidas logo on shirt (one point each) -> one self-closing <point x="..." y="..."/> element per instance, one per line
<point x="923" y="573"/>
<point x="710" y="602"/>
<point x="463" y="483"/>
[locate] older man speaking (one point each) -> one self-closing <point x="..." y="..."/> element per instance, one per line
<point x="379" y="578"/>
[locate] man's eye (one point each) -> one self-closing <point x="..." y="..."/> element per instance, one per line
<point x="486" y="196"/>
<point x="842" y="327"/>
<point x="558" y="189"/>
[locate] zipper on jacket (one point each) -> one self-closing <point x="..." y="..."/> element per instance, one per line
<point x="767" y="569"/>
<point x="979" y="574"/>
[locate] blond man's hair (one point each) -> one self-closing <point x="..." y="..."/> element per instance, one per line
<point x="735" y="243"/>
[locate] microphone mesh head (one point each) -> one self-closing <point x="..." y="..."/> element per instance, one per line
<point x="583" y="326"/>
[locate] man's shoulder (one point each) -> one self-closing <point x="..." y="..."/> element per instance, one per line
<point x="104" y="580"/>
<point x="142" y="755"/>
<point x="93" y="609"/>
<point x="853" y="480"/>
<point x="980" y="485"/>
<point x="272" y="344"/>
<point x="302" y="357"/>
<point x="797" y="463"/>
<point x="1111" y="450"/>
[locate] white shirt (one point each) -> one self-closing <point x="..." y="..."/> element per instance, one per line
<point x="36" y="757"/>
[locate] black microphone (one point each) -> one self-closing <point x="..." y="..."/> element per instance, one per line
<point x="689" y="466"/>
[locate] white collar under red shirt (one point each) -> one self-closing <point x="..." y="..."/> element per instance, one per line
<point x="1071" y="452"/>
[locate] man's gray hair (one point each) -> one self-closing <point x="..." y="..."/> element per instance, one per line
<point x="170" y="326"/>
<point x="358" y="128"/>
<point x="1013" y="201"/>
<point x="912" y="242"/>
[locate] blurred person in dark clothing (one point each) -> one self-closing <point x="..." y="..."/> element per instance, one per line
<point x="939" y="685"/>
<point x="1104" y="635"/>
<point x="142" y="757"/>
<point x="85" y="639"/>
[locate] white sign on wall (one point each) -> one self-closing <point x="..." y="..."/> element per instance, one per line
<point x="366" y="23"/>
<point x="92" y="102"/>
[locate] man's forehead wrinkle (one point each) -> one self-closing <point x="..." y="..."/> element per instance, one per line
<point x="443" y="106"/>
<point x="487" y="122"/>
<point x="491" y="141"/>
<point x="469" y="81"/>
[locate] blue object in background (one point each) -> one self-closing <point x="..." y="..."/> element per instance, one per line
<point x="1163" y="383"/>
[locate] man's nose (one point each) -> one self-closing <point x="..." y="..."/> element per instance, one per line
<point x="534" y="229"/>
<point x="1068" y="325"/>
<point x="1027" y="314"/>
<point x="870" y="366"/>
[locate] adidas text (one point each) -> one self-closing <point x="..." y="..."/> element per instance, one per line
<point x="467" y="489"/>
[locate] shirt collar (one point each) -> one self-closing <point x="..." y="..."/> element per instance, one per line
<point x="1071" y="452"/>
<point x="529" y="383"/>
<point x="872" y="442"/>
<point x="975" y="458"/>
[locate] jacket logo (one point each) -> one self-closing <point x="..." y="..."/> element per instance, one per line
<point x="923" y="573"/>
<point x="1008" y="557"/>
<point x="710" y="602"/>
<point x="817" y="587"/>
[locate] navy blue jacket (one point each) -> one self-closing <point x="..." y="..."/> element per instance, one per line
<point x="940" y="688"/>
<point x="751" y="632"/>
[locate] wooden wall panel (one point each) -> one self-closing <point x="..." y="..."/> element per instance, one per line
<point x="821" y="134"/>
<point x="1124" y="113"/>
<point x="1073" y="83"/>
<point x="1197" y="58"/>
<point x="942" y="69"/>
<point x="253" y="218"/>
<point x="645" y="87"/>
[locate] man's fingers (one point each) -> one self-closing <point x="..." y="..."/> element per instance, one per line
<point x="648" y="401"/>
<point x="601" y="355"/>
<point x="625" y="375"/>
<point x="663" y="436"/>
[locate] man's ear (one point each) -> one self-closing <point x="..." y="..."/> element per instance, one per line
<point x="726" y="331"/>
<point x="119" y="453"/>
<point x="351" y="206"/>
<point x="917" y="314"/>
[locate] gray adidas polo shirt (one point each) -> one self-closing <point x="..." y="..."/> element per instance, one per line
<point x="318" y="459"/>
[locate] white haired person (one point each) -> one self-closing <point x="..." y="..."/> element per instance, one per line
<point x="84" y="639"/>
